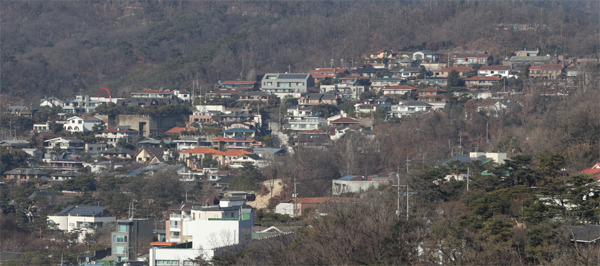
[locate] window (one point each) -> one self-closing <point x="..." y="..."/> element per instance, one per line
<point x="122" y="228"/>
<point x="119" y="250"/>
<point x="119" y="238"/>
<point x="167" y="262"/>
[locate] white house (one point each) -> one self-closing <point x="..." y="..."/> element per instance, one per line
<point x="353" y="184"/>
<point x="408" y="108"/>
<point x="113" y="135"/>
<point x="284" y="84"/>
<point x="210" y="228"/>
<point x="82" y="124"/>
<point x="496" y="70"/>
<point x="65" y="143"/>
<point x="81" y="219"/>
<point x="306" y="123"/>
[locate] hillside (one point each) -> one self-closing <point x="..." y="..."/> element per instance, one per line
<point x="65" y="48"/>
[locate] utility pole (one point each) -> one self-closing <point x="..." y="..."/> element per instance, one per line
<point x="468" y="172"/>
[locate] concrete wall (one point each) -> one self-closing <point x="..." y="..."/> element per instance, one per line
<point x="148" y="124"/>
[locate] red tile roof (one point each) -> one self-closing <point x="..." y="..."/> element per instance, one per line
<point x="594" y="170"/>
<point x="457" y="68"/>
<point x="203" y="150"/>
<point x="548" y="67"/>
<point x="178" y="130"/>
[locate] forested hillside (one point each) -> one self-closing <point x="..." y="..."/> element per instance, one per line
<point x="65" y="47"/>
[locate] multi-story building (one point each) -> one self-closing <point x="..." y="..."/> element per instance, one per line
<point x="482" y="81"/>
<point x="65" y="143"/>
<point x="548" y="71"/>
<point x="306" y="123"/>
<point x="408" y="108"/>
<point x="129" y="237"/>
<point x="495" y="70"/>
<point x="239" y="85"/>
<point x="178" y="215"/>
<point x="82" y="123"/>
<point x="210" y="229"/>
<point x="113" y="135"/>
<point x="284" y="84"/>
<point x="81" y="219"/>
<point x="472" y="59"/>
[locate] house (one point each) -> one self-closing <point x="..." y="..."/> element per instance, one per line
<point x="21" y="175"/>
<point x="407" y="72"/>
<point x="235" y="143"/>
<point x="82" y="220"/>
<point x="318" y="77"/>
<point x="224" y="94"/>
<point x="332" y="71"/>
<point x="518" y="62"/>
<point x="118" y="153"/>
<point x="113" y="135"/>
<point x="316" y="203"/>
<point x="64" y="143"/>
<point x="82" y="124"/>
<point x="495" y="70"/>
<point x="346" y="91"/>
<point x="380" y="83"/>
<point x="400" y="90"/>
<point x="526" y="52"/>
<point x="149" y="93"/>
<point x="357" y="184"/>
<point x="284" y="84"/>
<point x="258" y="98"/>
<point x="472" y="59"/>
<point x="130" y="235"/>
<point x="33" y="152"/>
<point x="238" y="132"/>
<point x="306" y="123"/>
<point x="431" y="94"/>
<point x="41" y="127"/>
<point x="316" y="138"/>
<point x="239" y="85"/>
<point x="547" y="71"/>
<point x="178" y="215"/>
<point x="433" y="81"/>
<point x="593" y="171"/>
<point x="20" y="110"/>
<point x="408" y="108"/>
<point x="587" y="234"/>
<point x="445" y="72"/>
<point x="427" y="56"/>
<point x="84" y="104"/>
<point x="94" y="148"/>
<point x="183" y="95"/>
<point x="482" y="82"/>
<point x="354" y="79"/>
<point x="318" y="99"/>
<point x="366" y="107"/>
<point x="299" y="111"/>
<point x="207" y="237"/>
<point x="150" y="155"/>
<point x="51" y="102"/>
<point x="13" y="144"/>
<point x="498" y="157"/>
<point x="344" y="122"/>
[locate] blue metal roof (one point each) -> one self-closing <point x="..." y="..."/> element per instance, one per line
<point x="347" y="178"/>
